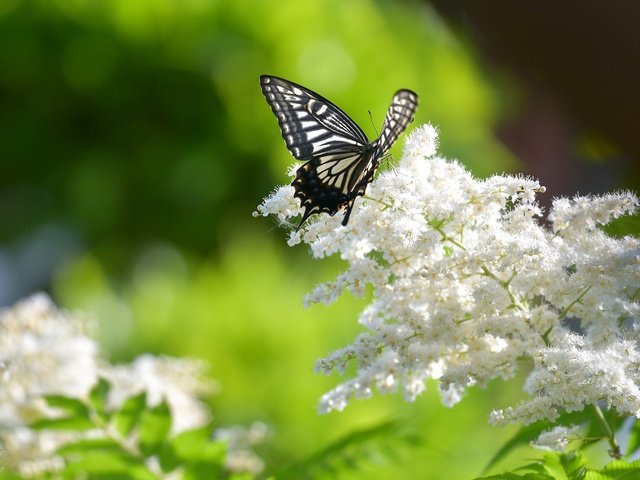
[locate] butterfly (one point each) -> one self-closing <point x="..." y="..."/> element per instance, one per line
<point x="340" y="160"/>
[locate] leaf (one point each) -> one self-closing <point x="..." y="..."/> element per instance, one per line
<point x="200" y="470"/>
<point x="616" y="470"/>
<point x="516" y="476"/>
<point x="107" y="465"/>
<point x="64" y="423"/>
<point x="155" y="424"/>
<point x="522" y="437"/>
<point x="71" y="406"/>
<point x="349" y="451"/>
<point x="626" y="225"/>
<point x="197" y="444"/>
<point x="563" y="466"/>
<point x="531" y="432"/>
<point x="98" y="398"/>
<point x="633" y="443"/>
<point x="86" y="445"/>
<point x="129" y="414"/>
<point x="196" y="450"/>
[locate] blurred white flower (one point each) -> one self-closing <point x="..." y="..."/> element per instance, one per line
<point x="467" y="281"/>
<point x="44" y="350"/>
<point x="556" y="439"/>
<point x="181" y="382"/>
<point x="240" y="444"/>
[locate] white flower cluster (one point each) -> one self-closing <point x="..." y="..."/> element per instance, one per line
<point x="44" y="350"/>
<point x="556" y="439"/>
<point x="467" y="281"/>
<point x="240" y="444"/>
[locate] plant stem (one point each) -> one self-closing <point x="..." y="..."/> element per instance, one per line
<point x="615" y="448"/>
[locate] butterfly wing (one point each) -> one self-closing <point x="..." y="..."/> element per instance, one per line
<point x="316" y="130"/>
<point x="341" y="161"/>
<point x="399" y="115"/>
<point x="311" y="125"/>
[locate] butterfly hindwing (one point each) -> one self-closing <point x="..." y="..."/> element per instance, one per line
<point x="399" y="115"/>
<point x="341" y="161"/>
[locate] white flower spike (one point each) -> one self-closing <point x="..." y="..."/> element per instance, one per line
<point x="467" y="281"/>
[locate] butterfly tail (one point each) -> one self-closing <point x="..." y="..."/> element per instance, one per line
<point x="308" y="211"/>
<point x="347" y="214"/>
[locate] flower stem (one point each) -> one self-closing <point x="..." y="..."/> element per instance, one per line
<point x="615" y="448"/>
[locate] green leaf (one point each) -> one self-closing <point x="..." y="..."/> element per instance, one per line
<point x="531" y="432"/>
<point x="98" y="398"/>
<point x="109" y="465"/>
<point x="347" y="452"/>
<point x="72" y="406"/>
<point x="633" y="443"/>
<point x="65" y="423"/>
<point x="195" y="449"/>
<point x="627" y="225"/>
<point x="129" y="414"/>
<point x="200" y="470"/>
<point x="517" y="476"/>
<point x="155" y="424"/>
<point x="197" y="445"/>
<point x="616" y="470"/>
<point x="563" y="466"/>
<point x="87" y="445"/>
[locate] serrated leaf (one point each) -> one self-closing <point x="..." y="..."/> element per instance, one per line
<point x="98" y="398"/>
<point x="126" y="419"/>
<point x="71" y="406"/>
<point x="565" y="466"/>
<point x="616" y="470"/>
<point x="154" y="427"/>
<point x="66" y="423"/>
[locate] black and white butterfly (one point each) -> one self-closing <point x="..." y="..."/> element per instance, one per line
<point x="341" y="161"/>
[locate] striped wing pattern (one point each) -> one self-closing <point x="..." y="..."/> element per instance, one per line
<point x="340" y="160"/>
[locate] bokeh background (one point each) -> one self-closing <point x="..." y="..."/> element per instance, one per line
<point x="135" y="144"/>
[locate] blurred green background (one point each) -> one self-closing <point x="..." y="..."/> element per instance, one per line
<point x="135" y="145"/>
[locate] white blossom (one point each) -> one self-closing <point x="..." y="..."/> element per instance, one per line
<point x="468" y="282"/>
<point x="240" y="444"/>
<point x="556" y="439"/>
<point x="179" y="381"/>
<point x="44" y="350"/>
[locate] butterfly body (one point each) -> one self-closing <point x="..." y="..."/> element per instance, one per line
<point x="341" y="161"/>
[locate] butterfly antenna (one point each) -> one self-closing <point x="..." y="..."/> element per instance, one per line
<point x="372" y="123"/>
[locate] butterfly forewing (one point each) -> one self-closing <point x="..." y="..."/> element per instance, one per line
<point x="310" y="124"/>
<point x="341" y="161"/>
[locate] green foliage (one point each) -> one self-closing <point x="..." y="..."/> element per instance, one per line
<point x="349" y="452"/>
<point x="145" y="120"/>
<point x="626" y="225"/>
<point x="569" y="466"/>
<point x="522" y="438"/>
<point x="140" y="127"/>
<point x="125" y="438"/>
